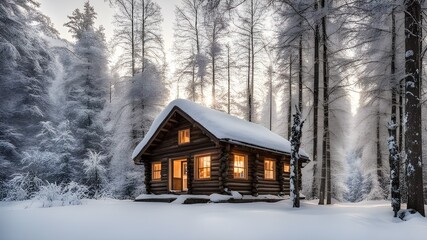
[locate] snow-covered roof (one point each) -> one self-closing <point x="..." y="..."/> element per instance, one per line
<point x="224" y="127"/>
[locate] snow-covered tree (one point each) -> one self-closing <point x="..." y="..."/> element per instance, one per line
<point x="25" y="76"/>
<point x="81" y="22"/>
<point x="86" y="84"/>
<point x="95" y="171"/>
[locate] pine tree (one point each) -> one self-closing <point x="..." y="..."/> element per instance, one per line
<point x="26" y="65"/>
<point x="86" y="85"/>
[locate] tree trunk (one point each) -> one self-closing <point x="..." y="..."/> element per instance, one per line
<point x="133" y="37"/>
<point x="228" y="79"/>
<point x="326" y="107"/>
<point x="394" y="159"/>
<point x="252" y="58"/>
<point x="394" y="167"/>
<point x="213" y="71"/>
<point x="402" y="179"/>
<point x="270" y="96"/>
<point x="300" y="74"/>
<point x="295" y="145"/>
<point x="325" y="180"/>
<point x="380" y="176"/>
<point x="290" y="98"/>
<point x="193" y="78"/>
<point x="413" y="133"/>
<point x="249" y="83"/>
<point x="143" y="37"/>
<point x="314" y="186"/>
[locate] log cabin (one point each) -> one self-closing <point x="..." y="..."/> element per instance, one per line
<point x="193" y="149"/>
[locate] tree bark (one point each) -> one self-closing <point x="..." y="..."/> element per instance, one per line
<point x="413" y="133"/>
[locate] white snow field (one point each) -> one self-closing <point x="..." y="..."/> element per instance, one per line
<point x="126" y="220"/>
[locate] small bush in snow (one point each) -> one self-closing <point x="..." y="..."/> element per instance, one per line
<point x="21" y="187"/>
<point x="52" y="194"/>
<point x="72" y="193"/>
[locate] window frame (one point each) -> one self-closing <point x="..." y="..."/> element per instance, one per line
<point x="153" y="171"/>
<point x="196" y="169"/>
<point x="245" y="167"/>
<point x="272" y="170"/>
<point x="179" y="136"/>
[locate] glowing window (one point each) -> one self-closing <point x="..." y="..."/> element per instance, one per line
<point x="156" y="171"/>
<point x="203" y="167"/>
<point x="240" y="167"/>
<point x="184" y="136"/>
<point x="269" y="169"/>
<point x="286" y="168"/>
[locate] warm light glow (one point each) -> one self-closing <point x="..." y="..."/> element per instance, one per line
<point x="240" y="166"/>
<point x="286" y="168"/>
<point x="269" y="169"/>
<point x="156" y="170"/>
<point x="177" y="169"/>
<point x="203" y="167"/>
<point x="184" y="136"/>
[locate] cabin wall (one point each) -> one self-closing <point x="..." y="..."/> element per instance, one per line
<point x="167" y="149"/>
<point x="256" y="184"/>
<point x="208" y="186"/>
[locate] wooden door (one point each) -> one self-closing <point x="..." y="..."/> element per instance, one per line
<point x="179" y="175"/>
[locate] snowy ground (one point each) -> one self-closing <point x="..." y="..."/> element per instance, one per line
<point x="125" y="220"/>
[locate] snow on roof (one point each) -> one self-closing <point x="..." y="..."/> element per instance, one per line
<point x="224" y="127"/>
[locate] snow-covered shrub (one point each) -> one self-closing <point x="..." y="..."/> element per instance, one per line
<point x="22" y="186"/>
<point x="52" y="194"/>
<point x="73" y="193"/>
